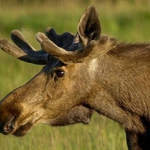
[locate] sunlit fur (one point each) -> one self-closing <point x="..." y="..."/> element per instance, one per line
<point x="110" y="78"/>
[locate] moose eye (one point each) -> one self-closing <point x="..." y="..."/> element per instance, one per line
<point x="60" y="73"/>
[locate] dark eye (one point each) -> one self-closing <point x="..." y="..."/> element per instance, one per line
<point x="60" y="73"/>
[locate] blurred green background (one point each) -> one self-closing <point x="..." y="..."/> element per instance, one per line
<point x="127" y="20"/>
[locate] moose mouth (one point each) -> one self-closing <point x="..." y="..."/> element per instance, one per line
<point x="22" y="130"/>
<point x="11" y="128"/>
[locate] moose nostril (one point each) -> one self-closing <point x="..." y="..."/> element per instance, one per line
<point x="9" y="126"/>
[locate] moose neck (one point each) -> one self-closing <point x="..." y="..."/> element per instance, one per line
<point x="120" y="82"/>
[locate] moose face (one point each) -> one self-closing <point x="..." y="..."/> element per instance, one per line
<point x="64" y="82"/>
<point x="40" y="102"/>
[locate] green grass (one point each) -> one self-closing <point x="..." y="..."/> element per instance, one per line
<point x="100" y="134"/>
<point x="126" y="20"/>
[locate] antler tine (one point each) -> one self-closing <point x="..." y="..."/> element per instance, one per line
<point x="23" y="44"/>
<point x="67" y="40"/>
<point x="11" y="49"/>
<point x="51" y="34"/>
<point x="41" y="37"/>
<point x="24" y="51"/>
<point x="49" y="46"/>
<point x="64" y="40"/>
<point x="20" y="41"/>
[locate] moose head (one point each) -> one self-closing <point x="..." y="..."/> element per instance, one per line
<point x="85" y="72"/>
<point x="65" y="81"/>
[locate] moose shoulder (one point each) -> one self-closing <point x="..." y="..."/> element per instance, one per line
<point x="89" y="71"/>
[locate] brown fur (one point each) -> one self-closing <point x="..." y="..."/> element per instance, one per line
<point x="97" y="73"/>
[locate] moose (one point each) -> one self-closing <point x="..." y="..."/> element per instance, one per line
<point x="83" y="73"/>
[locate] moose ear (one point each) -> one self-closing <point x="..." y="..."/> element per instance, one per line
<point x="89" y="26"/>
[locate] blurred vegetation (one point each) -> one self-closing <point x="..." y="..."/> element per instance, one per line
<point x="131" y="16"/>
<point x="127" y="20"/>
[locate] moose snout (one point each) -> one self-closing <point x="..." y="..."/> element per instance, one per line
<point x="7" y="124"/>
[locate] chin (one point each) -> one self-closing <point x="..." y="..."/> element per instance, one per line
<point x="23" y="130"/>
